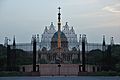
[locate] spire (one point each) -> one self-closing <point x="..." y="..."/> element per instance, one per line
<point x="59" y="29"/>
<point x="59" y="14"/>
<point x="59" y="18"/>
<point x="103" y="45"/>
<point x="66" y="24"/>
<point x="84" y="38"/>
<point x="66" y="28"/>
<point x="6" y="41"/>
<point x="14" y="44"/>
<point x="112" y="41"/>
<point x="37" y="40"/>
<point x="72" y="30"/>
<point x="80" y="39"/>
<point x="103" y="40"/>
<point x="46" y="30"/>
<point x="52" y="26"/>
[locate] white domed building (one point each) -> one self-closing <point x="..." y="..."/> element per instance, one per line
<point x="49" y="32"/>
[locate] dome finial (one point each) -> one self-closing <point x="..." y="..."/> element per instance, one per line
<point x="72" y="28"/>
<point x="59" y="9"/>
<point x="66" y="23"/>
<point x="45" y="29"/>
<point x="51" y="23"/>
<point x="59" y="15"/>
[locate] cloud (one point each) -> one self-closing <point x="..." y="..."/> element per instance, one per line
<point x="114" y="8"/>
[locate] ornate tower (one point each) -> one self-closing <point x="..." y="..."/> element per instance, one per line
<point x="59" y="29"/>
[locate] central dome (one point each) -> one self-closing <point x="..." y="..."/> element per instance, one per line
<point x="54" y="41"/>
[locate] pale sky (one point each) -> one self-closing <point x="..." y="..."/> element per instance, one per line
<point x="95" y="18"/>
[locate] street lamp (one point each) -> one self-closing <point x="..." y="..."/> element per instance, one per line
<point x="59" y="69"/>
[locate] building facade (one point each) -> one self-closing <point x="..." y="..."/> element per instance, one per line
<point x="59" y="43"/>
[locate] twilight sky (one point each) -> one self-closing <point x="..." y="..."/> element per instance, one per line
<point x="94" y="18"/>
